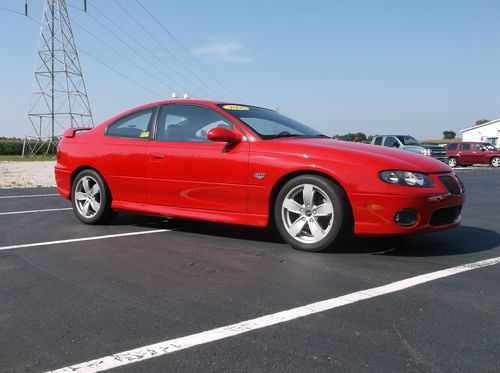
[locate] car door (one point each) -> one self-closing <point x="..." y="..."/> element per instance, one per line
<point x="185" y="169"/>
<point x="465" y="153"/>
<point x="123" y="160"/>
<point x="478" y="154"/>
<point x="391" y="142"/>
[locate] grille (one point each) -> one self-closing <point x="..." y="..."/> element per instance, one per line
<point x="445" y="216"/>
<point x="438" y="153"/>
<point x="451" y="184"/>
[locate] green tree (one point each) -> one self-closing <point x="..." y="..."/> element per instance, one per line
<point x="449" y="135"/>
<point x="355" y="137"/>
<point x="481" y="121"/>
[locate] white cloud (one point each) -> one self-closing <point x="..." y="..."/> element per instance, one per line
<point x="227" y="51"/>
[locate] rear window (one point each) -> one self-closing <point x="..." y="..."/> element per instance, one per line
<point x="134" y="126"/>
<point x="452" y="146"/>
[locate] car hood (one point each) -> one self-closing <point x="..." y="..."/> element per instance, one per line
<point x="357" y="154"/>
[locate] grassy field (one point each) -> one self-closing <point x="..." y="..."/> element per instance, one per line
<point x="18" y="158"/>
<point x="440" y="141"/>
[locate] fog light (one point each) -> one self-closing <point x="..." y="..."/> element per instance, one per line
<point x="406" y="217"/>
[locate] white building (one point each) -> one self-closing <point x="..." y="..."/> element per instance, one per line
<point x="486" y="132"/>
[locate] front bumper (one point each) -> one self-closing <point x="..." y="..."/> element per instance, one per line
<point x="438" y="209"/>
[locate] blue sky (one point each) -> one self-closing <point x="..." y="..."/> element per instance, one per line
<point x="410" y="67"/>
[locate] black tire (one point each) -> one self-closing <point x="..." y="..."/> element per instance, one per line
<point x="495" y="162"/>
<point x="452" y="162"/>
<point x="336" y="227"/>
<point x="103" y="213"/>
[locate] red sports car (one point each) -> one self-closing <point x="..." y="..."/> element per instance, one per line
<point x="248" y="165"/>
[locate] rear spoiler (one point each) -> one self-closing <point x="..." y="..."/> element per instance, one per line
<point x="69" y="133"/>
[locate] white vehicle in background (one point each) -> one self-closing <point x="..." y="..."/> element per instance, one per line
<point x="409" y="143"/>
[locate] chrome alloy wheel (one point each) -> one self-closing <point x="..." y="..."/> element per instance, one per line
<point x="307" y="213"/>
<point x="495" y="161"/>
<point x="452" y="162"/>
<point x="88" y="197"/>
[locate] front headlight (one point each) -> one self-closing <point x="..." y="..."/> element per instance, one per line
<point x="426" y="152"/>
<point x="406" y="178"/>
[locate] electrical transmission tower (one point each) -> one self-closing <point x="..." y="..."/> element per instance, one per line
<point x="60" y="98"/>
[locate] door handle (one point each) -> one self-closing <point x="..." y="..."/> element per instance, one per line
<point x="157" y="156"/>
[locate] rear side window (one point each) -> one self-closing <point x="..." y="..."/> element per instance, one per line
<point x="452" y="147"/>
<point x="378" y="140"/>
<point x="464" y="146"/>
<point x="134" y="126"/>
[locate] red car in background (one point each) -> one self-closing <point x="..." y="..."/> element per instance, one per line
<point x="248" y="165"/>
<point x="469" y="153"/>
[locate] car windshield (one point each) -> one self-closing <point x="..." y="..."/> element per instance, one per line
<point x="408" y="140"/>
<point x="489" y="146"/>
<point x="269" y="124"/>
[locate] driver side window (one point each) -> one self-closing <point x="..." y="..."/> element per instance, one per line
<point x="391" y="142"/>
<point x="188" y="123"/>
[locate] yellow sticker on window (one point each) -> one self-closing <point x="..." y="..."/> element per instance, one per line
<point x="144" y="134"/>
<point x="235" y="107"/>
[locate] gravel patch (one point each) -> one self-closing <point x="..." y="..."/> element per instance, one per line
<point x="27" y="174"/>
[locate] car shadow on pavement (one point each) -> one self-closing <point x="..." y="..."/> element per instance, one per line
<point x="462" y="240"/>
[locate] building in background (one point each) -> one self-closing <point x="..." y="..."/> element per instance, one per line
<point x="486" y="132"/>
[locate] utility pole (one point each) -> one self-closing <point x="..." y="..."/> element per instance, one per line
<point x="60" y="98"/>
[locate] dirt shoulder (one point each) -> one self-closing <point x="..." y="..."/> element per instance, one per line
<point x="27" y="174"/>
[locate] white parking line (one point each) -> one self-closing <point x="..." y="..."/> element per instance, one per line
<point x="93" y="238"/>
<point x="30" y="196"/>
<point x="167" y="347"/>
<point x="34" y="211"/>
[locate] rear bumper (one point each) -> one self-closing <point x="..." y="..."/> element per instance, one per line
<point x="63" y="181"/>
<point x="374" y="213"/>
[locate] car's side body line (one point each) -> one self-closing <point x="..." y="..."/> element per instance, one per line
<point x="209" y="215"/>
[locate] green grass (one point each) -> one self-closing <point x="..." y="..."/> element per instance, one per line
<point x="18" y="158"/>
<point x="441" y="141"/>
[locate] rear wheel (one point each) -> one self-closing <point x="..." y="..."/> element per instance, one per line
<point x="495" y="162"/>
<point x="311" y="213"/>
<point x="452" y="162"/>
<point x="90" y="198"/>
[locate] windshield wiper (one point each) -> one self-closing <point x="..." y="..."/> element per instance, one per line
<point x="324" y="136"/>
<point x="286" y="135"/>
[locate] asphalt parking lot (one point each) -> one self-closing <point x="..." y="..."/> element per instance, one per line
<point x="66" y="301"/>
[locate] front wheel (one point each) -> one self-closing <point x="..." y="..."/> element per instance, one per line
<point x="311" y="213"/>
<point x="495" y="162"/>
<point x="90" y="198"/>
<point x="452" y="162"/>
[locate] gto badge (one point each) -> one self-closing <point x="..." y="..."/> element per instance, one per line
<point x="259" y="175"/>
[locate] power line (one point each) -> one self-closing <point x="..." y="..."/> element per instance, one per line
<point x="119" y="73"/>
<point x="215" y="94"/>
<point x="153" y="55"/>
<point x="11" y="11"/>
<point x="120" y="54"/>
<point x="186" y="50"/>
<point x="135" y="51"/>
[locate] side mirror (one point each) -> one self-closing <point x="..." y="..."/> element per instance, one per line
<point x="395" y="145"/>
<point x="219" y="134"/>
<point x="483" y="149"/>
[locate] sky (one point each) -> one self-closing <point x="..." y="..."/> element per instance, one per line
<point x="378" y="67"/>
